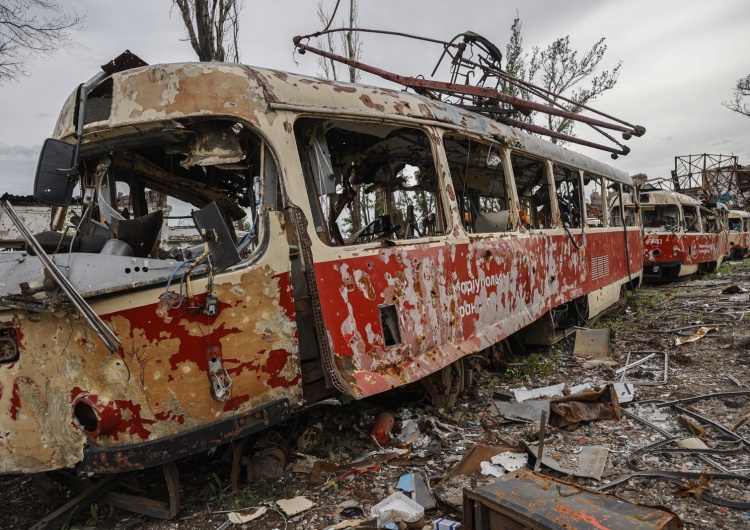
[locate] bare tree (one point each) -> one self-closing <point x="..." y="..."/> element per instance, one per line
<point x="559" y="69"/>
<point x="31" y="28"/>
<point x="213" y="27"/>
<point x="741" y="91"/>
<point x="350" y="45"/>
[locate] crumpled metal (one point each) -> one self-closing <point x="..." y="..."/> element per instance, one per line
<point x="569" y="412"/>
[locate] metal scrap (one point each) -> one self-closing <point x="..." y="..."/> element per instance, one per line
<point x="662" y="365"/>
<point x="569" y="411"/>
<point x="467" y="473"/>
<point x="592" y="344"/>
<point x="591" y="461"/>
<point x="530" y="500"/>
<point x="523" y="394"/>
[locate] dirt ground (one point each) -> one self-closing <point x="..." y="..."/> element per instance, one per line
<point x="715" y="363"/>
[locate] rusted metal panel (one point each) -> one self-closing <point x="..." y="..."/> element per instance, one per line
<point x="158" y="385"/>
<point x="685" y="248"/>
<point x="453" y="300"/>
<point x="524" y="499"/>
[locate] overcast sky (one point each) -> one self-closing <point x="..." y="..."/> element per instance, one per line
<point x="681" y="59"/>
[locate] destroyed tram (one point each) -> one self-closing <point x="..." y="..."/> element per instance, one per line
<point x="355" y="239"/>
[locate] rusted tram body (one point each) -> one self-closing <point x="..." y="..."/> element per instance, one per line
<point x="387" y="236"/>
<point x="739" y="234"/>
<point x="681" y="236"/>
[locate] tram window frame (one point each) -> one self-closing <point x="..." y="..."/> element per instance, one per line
<point x="484" y="191"/>
<point x="711" y="221"/>
<point x="632" y="218"/>
<point x="662" y="217"/>
<point x="630" y="208"/>
<point x="387" y="167"/>
<point x="595" y="221"/>
<point x="565" y="178"/>
<point x="537" y="211"/>
<point x="694" y="225"/>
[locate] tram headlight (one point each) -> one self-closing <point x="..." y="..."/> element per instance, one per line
<point x="8" y="345"/>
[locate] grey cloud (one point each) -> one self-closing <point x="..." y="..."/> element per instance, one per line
<point x="19" y="151"/>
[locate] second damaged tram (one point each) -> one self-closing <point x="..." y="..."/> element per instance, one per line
<point x="681" y="236"/>
<point x="739" y="234"/>
<point x="386" y="237"/>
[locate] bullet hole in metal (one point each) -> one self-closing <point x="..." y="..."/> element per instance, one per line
<point x="389" y="322"/>
<point x="86" y="416"/>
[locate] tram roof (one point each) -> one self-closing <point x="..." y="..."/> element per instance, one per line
<point x="239" y="90"/>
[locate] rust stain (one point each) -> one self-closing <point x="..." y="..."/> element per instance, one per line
<point x="369" y="103"/>
<point x="345" y="88"/>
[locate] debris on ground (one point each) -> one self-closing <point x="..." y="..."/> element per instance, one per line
<point x="680" y="440"/>
<point x="702" y="332"/>
<point x="569" y="412"/>
<point x="525" y="496"/>
<point x="398" y="508"/>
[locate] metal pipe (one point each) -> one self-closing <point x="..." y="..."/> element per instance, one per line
<point x="634" y="364"/>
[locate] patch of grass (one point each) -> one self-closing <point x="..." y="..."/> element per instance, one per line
<point x="538" y="365"/>
<point x="613" y="321"/>
<point x="97" y="516"/>
<point x="533" y="365"/>
<point x="256" y="494"/>
<point x="217" y="491"/>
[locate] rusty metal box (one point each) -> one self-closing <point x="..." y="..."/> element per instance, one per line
<point x="527" y="500"/>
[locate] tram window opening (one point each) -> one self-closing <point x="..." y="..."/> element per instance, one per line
<point x="710" y="221"/>
<point x="735" y="225"/>
<point x="369" y="181"/>
<point x="691" y="218"/>
<point x="481" y="184"/>
<point x="532" y="185"/>
<point x="593" y="187"/>
<point x="143" y="191"/>
<point x="568" y="187"/>
<point x="615" y="209"/>
<point x="661" y="217"/>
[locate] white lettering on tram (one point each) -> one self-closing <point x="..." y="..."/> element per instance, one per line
<point x="473" y="286"/>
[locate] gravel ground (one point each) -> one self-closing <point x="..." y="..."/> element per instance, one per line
<point x="340" y="434"/>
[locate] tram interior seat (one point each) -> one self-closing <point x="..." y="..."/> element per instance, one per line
<point x="493" y="221"/>
<point x="140" y="234"/>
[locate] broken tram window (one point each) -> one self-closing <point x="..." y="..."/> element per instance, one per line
<point x="369" y="181"/>
<point x="595" y="206"/>
<point x="481" y="184"/>
<point x="568" y="185"/>
<point x="532" y="185"/>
